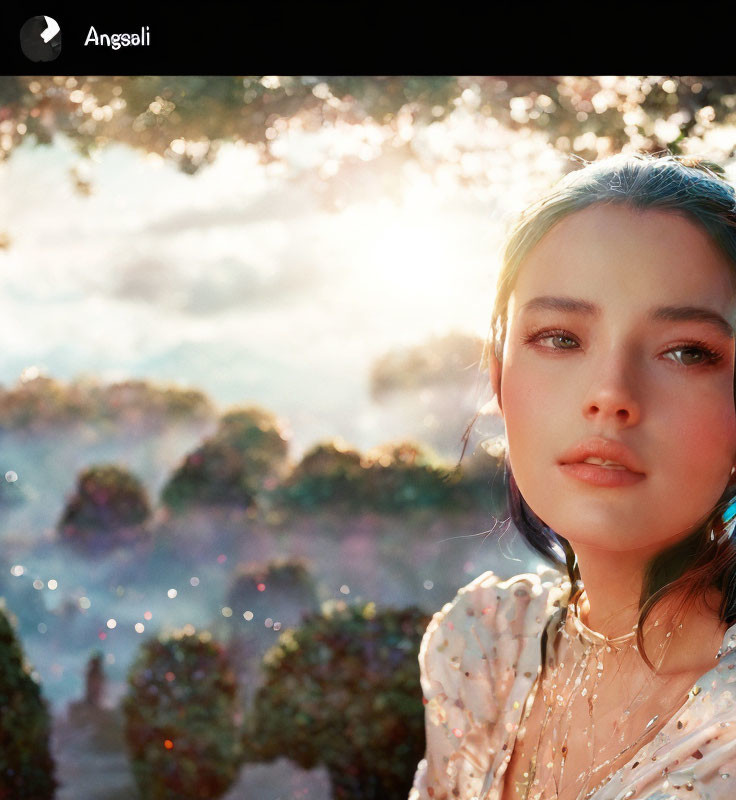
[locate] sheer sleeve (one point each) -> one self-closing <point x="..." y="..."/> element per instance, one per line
<point x="477" y="660"/>
<point x="456" y="684"/>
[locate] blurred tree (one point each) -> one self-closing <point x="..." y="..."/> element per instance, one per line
<point x="213" y="475"/>
<point x="406" y="475"/>
<point x="181" y="719"/>
<point x="281" y="590"/>
<point x="259" y="435"/>
<point x="481" y="480"/>
<point x="390" y="478"/>
<point x="184" y="119"/>
<point x="94" y="681"/>
<point x="247" y="453"/>
<point x="38" y="404"/>
<point x="108" y="509"/>
<point x="440" y="360"/>
<point x="343" y="690"/>
<point x="330" y="473"/>
<point x="146" y="407"/>
<point x="26" y="764"/>
<point x="100" y="727"/>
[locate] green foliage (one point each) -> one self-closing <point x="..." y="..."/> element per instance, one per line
<point x="393" y="477"/>
<point x="26" y="765"/>
<point x="259" y="436"/>
<point x="404" y="476"/>
<point x="246" y="453"/>
<point x="213" y="475"/>
<point x="139" y="404"/>
<point x="41" y="404"/>
<point x="328" y="474"/>
<point x="181" y="712"/>
<point x="151" y="111"/>
<point x="343" y="690"/>
<point x="588" y="116"/>
<point x="481" y="482"/>
<point x="108" y="509"/>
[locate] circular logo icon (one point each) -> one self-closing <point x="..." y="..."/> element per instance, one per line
<point x="40" y="39"/>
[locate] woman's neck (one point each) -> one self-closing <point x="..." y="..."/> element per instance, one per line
<point x="684" y="638"/>
<point x="612" y="587"/>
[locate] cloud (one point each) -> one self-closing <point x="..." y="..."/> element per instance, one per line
<point x="226" y="284"/>
<point x="282" y="205"/>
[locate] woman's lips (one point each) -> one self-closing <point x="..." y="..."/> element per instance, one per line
<point x="601" y="476"/>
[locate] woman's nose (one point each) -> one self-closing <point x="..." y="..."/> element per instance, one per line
<point x="612" y="394"/>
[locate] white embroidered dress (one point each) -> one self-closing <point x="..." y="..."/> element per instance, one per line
<point x="479" y="659"/>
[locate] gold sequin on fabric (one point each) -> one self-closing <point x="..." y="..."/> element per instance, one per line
<point x="480" y="664"/>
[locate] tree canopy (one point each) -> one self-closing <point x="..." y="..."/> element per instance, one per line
<point x="342" y="690"/>
<point x="185" y="119"/>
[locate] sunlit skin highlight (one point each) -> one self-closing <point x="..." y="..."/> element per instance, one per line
<point x="625" y="365"/>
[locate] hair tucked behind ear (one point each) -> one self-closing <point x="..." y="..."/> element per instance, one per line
<point x="686" y="185"/>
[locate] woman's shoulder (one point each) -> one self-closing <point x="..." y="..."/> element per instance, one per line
<point x="489" y="595"/>
<point x="485" y="618"/>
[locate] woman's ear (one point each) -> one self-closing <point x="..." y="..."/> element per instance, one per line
<point x="495" y="374"/>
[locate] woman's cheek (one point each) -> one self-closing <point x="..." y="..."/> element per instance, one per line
<point x="530" y="421"/>
<point x="705" y="435"/>
<point x="533" y="398"/>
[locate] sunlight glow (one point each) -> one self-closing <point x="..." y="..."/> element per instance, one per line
<point x="407" y="254"/>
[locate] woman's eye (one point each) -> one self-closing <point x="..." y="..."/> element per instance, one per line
<point x="693" y="356"/>
<point x="559" y="340"/>
<point x="687" y="354"/>
<point x="567" y="343"/>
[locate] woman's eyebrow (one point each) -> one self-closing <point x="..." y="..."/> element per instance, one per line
<point x="663" y="313"/>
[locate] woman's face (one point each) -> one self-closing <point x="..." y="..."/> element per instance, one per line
<point x="617" y="367"/>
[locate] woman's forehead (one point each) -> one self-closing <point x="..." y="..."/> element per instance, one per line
<point x="616" y="255"/>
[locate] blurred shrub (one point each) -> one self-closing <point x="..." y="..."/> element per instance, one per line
<point x="139" y="404"/>
<point x="181" y="719"/>
<point x="481" y="481"/>
<point x="40" y="404"/>
<point x="108" y="509"/>
<point x="258" y="434"/>
<point x="405" y="476"/>
<point x="437" y="362"/>
<point x="391" y="478"/>
<point x="26" y="765"/>
<point x="328" y="474"/>
<point x="343" y="690"/>
<point x="281" y="590"/>
<point x="247" y="453"/>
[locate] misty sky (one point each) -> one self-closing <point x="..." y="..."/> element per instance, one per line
<point x="237" y="280"/>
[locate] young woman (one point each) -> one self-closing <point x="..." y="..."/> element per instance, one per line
<point x="612" y="672"/>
